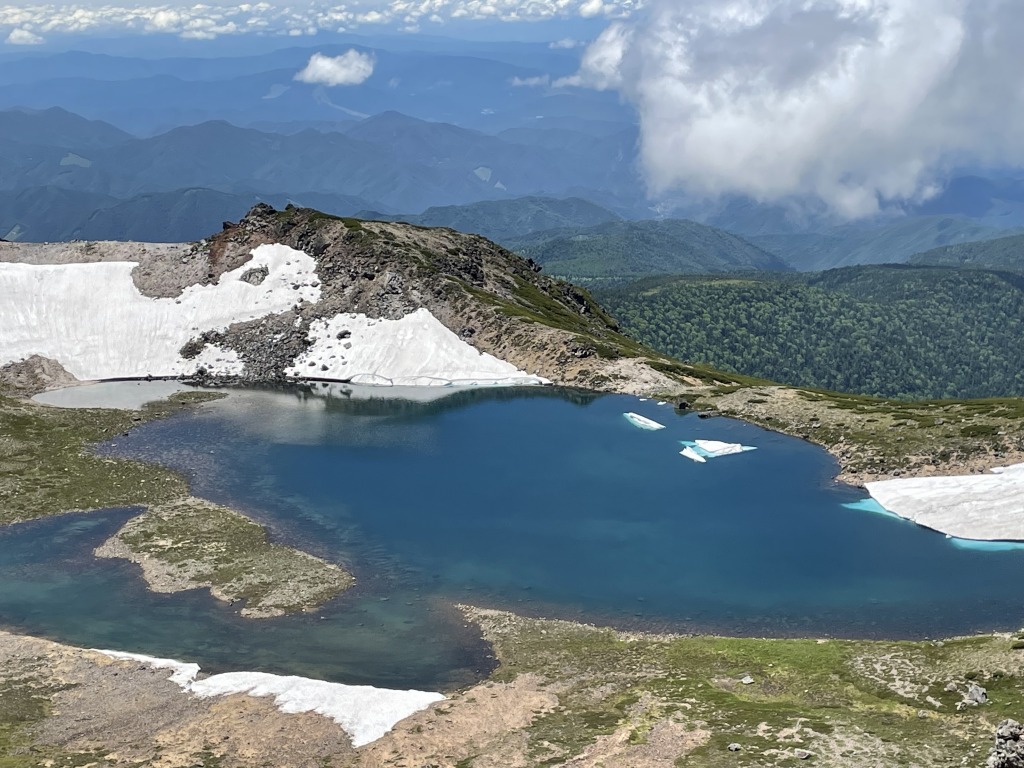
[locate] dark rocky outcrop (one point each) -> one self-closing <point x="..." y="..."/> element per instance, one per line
<point x="1008" y="751"/>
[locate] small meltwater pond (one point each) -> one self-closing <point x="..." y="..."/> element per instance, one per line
<point x="538" y="500"/>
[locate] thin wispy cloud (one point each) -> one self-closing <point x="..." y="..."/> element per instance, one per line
<point x="858" y="103"/>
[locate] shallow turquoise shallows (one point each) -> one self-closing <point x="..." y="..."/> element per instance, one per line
<point x="545" y="502"/>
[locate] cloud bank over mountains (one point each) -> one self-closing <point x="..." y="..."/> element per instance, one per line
<point x="855" y="102"/>
<point x="22" y="22"/>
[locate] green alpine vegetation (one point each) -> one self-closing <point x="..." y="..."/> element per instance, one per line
<point x="1002" y="253"/>
<point x="630" y="249"/>
<point x="889" y="331"/>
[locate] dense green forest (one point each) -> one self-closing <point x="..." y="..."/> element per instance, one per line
<point x="631" y="249"/>
<point x="895" y="331"/>
<point x="1003" y="253"/>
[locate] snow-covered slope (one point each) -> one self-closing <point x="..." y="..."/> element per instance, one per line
<point x="364" y="712"/>
<point x="92" y="319"/>
<point x="416" y="350"/>
<point x="982" y="507"/>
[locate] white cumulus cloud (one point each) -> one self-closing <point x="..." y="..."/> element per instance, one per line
<point x="855" y="102"/>
<point x="350" y="68"/>
<point x="24" y="37"/>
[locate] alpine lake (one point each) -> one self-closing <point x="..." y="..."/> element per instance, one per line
<point x="542" y="501"/>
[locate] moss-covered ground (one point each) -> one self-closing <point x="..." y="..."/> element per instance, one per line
<point x="847" y="703"/>
<point x="191" y="543"/>
<point x="47" y="465"/>
<point x="875" y="438"/>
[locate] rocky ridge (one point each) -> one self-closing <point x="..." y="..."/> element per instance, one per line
<point x="492" y="299"/>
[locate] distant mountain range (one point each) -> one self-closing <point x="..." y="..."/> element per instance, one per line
<point x="628" y="249"/>
<point x="390" y="162"/>
<point x="866" y="243"/>
<point x="504" y="221"/>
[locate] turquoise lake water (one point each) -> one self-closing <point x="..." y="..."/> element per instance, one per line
<point x="545" y="502"/>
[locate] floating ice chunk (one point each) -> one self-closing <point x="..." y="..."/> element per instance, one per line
<point x="691" y="454"/>
<point x="642" y="421"/>
<point x="365" y="713"/>
<point x="700" y="450"/>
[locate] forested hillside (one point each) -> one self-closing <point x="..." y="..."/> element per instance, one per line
<point x="630" y="249"/>
<point x="894" y="331"/>
<point x="1003" y="253"/>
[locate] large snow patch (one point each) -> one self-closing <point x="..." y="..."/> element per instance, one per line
<point x="92" y="319"/>
<point x="983" y="507"/>
<point x="365" y="713"/>
<point x="417" y="350"/>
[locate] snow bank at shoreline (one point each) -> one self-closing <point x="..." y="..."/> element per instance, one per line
<point x="417" y="350"/>
<point x="986" y="507"/>
<point x="365" y="713"/>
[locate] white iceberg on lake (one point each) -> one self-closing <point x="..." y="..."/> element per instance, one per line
<point x="642" y="421"/>
<point x="702" y="450"/>
<point x="986" y="507"/>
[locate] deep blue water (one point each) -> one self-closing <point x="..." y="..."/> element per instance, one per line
<point x="540" y="501"/>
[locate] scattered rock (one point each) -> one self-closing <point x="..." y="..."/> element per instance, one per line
<point x="977" y="694"/>
<point x="802" y="754"/>
<point x="747" y="680"/>
<point x="255" y="276"/>
<point x="734" y="747"/>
